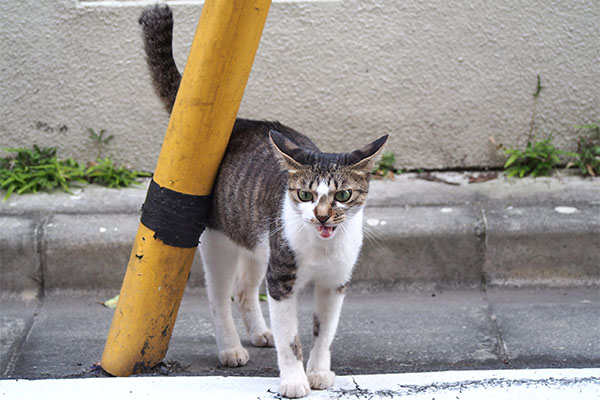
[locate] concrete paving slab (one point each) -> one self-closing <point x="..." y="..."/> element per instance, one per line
<point x="378" y="333"/>
<point x="463" y="385"/>
<point x="91" y="251"/>
<point x="91" y="199"/>
<point x="412" y="189"/>
<point x="420" y="233"/>
<point x="193" y="343"/>
<point x="422" y="245"/>
<point x="542" y="245"/>
<point x="370" y="337"/>
<point x="565" y="187"/>
<point x="405" y="190"/>
<point x="395" y="331"/>
<point x="20" y="264"/>
<point x="16" y="319"/>
<point x="88" y="251"/>
<point x="66" y="338"/>
<point x="550" y="327"/>
<point x="382" y="332"/>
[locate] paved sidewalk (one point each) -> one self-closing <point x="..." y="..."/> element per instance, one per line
<point x="391" y="331"/>
<point x="496" y="276"/>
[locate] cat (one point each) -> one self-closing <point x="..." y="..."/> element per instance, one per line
<point x="281" y="209"/>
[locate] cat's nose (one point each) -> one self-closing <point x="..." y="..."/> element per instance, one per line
<point x="322" y="218"/>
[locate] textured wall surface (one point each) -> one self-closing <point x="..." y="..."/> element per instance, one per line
<point x="439" y="76"/>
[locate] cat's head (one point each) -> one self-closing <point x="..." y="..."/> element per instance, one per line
<point x="326" y="189"/>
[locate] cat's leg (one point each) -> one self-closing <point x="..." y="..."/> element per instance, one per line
<point x="251" y="272"/>
<point x="219" y="257"/>
<point x="283" y="312"/>
<point x="328" y="305"/>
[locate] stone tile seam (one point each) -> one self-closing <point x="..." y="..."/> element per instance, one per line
<point x="484" y="240"/>
<point x="40" y="246"/>
<point x="38" y="237"/>
<point x="15" y="351"/>
<point x="500" y="348"/>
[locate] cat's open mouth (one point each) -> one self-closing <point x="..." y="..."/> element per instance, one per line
<point x="326" y="231"/>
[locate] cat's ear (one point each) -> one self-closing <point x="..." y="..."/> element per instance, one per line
<point x="287" y="150"/>
<point x="364" y="159"/>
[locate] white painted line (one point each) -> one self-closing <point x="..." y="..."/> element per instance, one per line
<point x="552" y="384"/>
<point x="143" y="3"/>
<point x="134" y="3"/>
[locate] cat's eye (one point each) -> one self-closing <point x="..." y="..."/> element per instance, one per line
<point x="305" y="195"/>
<point x="343" y="195"/>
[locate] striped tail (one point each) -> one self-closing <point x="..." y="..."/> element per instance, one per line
<point x="157" y="26"/>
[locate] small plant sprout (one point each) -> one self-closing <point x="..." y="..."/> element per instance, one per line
<point x="538" y="159"/>
<point x="536" y="95"/>
<point x="587" y="157"/>
<point x="100" y="140"/>
<point x="385" y="168"/>
<point x="538" y="88"/>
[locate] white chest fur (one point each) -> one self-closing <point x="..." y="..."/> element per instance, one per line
<point x="328" y="262"/>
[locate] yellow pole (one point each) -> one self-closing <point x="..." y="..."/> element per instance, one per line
<point x="209" y="97"/>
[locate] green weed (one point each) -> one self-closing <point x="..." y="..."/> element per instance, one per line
<point x="385" y="167"/>
<point x="105" y="173"/>
<point x="587" y="157"/>
<point x="538" y="159"/>
<point x="39" y="169"/>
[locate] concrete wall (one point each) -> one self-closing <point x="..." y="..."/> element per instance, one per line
<point x="439" y="76"/>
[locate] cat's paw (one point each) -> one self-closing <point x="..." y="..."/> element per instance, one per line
<point x="320" y="380"/>
<point x="234" y="357"/>
<point x="264" y="339"/>
<point x="294" y="388"/>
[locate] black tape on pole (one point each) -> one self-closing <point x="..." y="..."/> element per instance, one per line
<point x="177" y="219"/>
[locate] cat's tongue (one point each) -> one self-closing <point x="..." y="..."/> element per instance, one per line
<point x="325" y="231"/>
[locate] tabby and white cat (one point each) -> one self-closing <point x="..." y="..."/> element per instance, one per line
<point x="283" y="209"/>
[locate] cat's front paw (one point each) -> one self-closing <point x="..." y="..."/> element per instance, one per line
<point x="234" y="357"/>
<point x="264" y="339"/>
<point x="294" y="388"/>
<point x="320" y="380"/>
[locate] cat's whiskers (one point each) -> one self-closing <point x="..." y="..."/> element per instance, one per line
<point x="297" y="231"/>
<point x="276" y="231"/>
<point x="372" y="236"/>
<point x="342" y="227"/>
